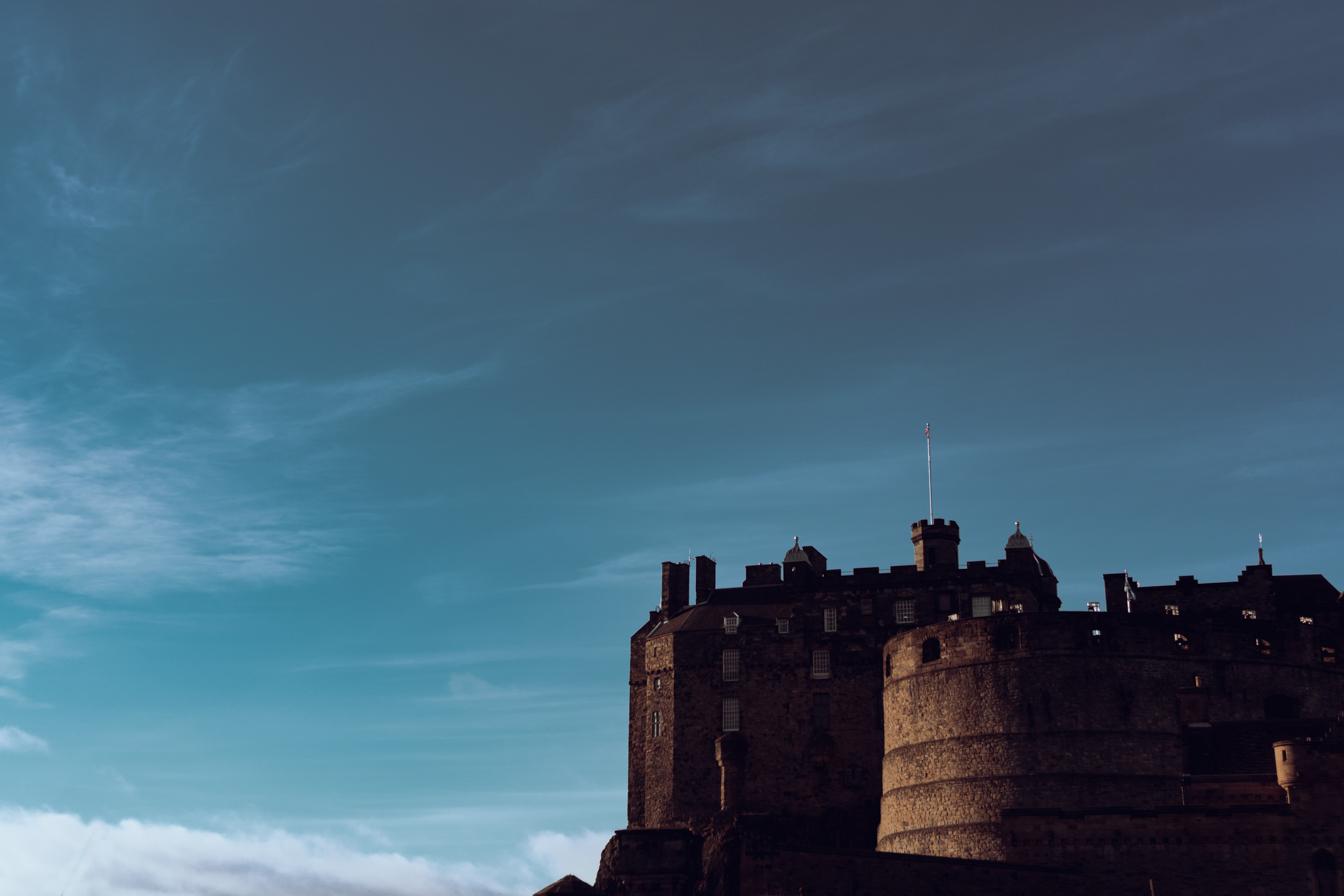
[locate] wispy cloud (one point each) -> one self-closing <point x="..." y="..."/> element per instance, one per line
<point x="42" y="851"/>
<point x="16" y="740"/>
<point x="119" y="490"/>
<point x="456" y="658"/>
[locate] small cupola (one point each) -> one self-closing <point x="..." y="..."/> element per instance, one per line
<point x="1017" y="541"/>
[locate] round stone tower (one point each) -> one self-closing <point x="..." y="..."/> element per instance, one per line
<point x="1021" y="711"/>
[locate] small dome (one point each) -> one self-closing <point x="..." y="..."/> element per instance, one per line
<point x="796" y="554"/>
<point x="1017" y="541"/>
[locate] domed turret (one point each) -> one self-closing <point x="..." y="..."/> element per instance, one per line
<point x="796" y="554"/>
<point x="1017" y="541"/>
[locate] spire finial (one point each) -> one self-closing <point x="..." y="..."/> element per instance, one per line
<point x="1259" y="537"/>
<point x="1017" y="524"/>
<point x="795" y="541"/>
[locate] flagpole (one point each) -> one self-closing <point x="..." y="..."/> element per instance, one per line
<point x="928" y="444"/>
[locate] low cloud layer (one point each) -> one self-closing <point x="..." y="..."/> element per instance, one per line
<point x="51" y="852"/>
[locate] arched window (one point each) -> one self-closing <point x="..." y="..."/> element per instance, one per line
<point x="933" y="649"/>
<point x="1005" y="637"/>
<point x="1325" y="873"/>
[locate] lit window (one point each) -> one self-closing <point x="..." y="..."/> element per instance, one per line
<point x="903" y="611"/>
<point x="1263" y="647"/>
<point x="1329" y="655"/>
<point x="1017" y="607"/>
<point x="953" y="617"/>
<point x="1096" y="634"/>
<point x="657" y="724"/>
<point x="782" y="626"/>
<point x="730" y="624"/>
<point x="1093" y="607"/>
<point x="999" y="605"/>
<point x="732" y="714"/>
<point x="1180" y="640"/>
<point x="980" y="606"/>
<point x="821" y="664"/>
<point x="1171" y="609"/>
<point x="657" y="684"/>
<point x="1306" y="620"/>
<point x="829" y="618"/>
<point x="1247" y="614"/>
<point x="732" y="664"/>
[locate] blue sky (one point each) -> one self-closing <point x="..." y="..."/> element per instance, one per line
<point x="360" y="362"/>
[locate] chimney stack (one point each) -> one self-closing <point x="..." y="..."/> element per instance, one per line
<point x="676" y="587"/>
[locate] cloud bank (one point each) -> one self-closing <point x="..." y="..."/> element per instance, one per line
<point x="53" y="852"/>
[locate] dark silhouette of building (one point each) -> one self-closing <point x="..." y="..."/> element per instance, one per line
<point x="945" y="728"/>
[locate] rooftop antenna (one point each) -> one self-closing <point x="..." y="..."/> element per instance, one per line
<point x="1261" y="550"/>
<point x="928" y="446"/>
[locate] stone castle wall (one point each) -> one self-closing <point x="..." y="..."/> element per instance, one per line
<point x="1069" y="711"/>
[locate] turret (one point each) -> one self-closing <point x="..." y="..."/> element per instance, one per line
<point x="935" y="543"/>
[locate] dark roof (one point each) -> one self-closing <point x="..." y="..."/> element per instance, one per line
<point x="569" y="885"/>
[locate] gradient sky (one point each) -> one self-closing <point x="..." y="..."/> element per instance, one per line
<point x="360" y="362"/>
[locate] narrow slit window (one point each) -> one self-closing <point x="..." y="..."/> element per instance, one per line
<point x="657" y="723"/>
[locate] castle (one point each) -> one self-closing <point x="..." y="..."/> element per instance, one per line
<point x="946" y="728"/>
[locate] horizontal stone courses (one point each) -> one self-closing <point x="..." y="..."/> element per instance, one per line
<point x="1034" y="736"/>
<point x="1034" y="780"/>
<point x="1026" y="657"/>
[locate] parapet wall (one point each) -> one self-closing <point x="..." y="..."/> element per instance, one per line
<point x="1066" y="711"/>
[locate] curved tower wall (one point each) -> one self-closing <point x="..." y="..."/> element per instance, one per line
<point x="1035" y="711"/>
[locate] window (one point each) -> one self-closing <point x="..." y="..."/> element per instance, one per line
<point x="1093" y="607"/>
<point x="730" y="624"/>
<point x="888" y="665"/>
<point x="1171" y="609"/>
<point x="866" y="606"/>
<point x="953" y="617"/>
<point x="980" y="606"/>
<point x="732" y="714"/>
<point x="1329" y="654"/>
<point x="821" y="664"/>
<point x="829" y="618"/>
<point x="1263" y="647"/>
<point x="1096" y="637"/>
<point x="782" y="626"/>
<point x="933" y="649"/>
<point x="657" y="724"/>
<point x="999" y="605"/>
<point x="1306" y="620"/>
<point x="1017" y="607"/>
<point x="903" y="611"/>
<point x="1180" y="641"/>
<point x="732" y="664"/>
<point x="1248" y="614"/>
<point x="657" y="684"/>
